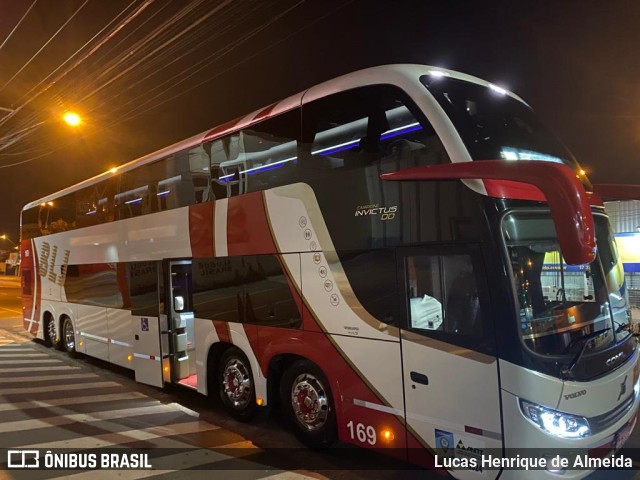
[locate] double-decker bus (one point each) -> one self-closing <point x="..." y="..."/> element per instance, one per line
<point x="401" y="258"/>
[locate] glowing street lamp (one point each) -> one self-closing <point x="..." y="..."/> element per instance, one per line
<point x="4" y="236"/>
<point x="72" y="118"/>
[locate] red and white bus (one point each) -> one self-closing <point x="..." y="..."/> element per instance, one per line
<point x="401" y="258"/>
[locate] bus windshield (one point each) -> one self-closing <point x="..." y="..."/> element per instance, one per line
<point x="494" y="125"/>
<point x="559" y="304"/>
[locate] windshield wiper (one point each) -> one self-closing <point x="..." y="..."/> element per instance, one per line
<point x="585" y="341"/>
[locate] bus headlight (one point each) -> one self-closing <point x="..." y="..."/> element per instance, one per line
<point x="556" y="423"/>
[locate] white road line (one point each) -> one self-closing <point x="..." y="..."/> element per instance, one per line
<point x="40" y="378"/>
<point x="117" y="438"/>
<point x="58" y="388"/>
<point x="65" y="401"/>
<point x="32" y="354"/>
<point x="38" y="369"/>
<point x="23" y="362"/>
<point x="32" y="424"/>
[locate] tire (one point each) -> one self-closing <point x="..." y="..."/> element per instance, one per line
<point x="51" y="337"/>
<point x="235" y="385"/>
<point x="68" y="337"/>
<point x="307" y="404"/>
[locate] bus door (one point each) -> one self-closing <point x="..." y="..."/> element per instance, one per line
<point x="180" y="326"/>
<point x="450" y="380"/>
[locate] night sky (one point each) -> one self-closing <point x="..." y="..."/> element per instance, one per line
<point x="148" y="73"/>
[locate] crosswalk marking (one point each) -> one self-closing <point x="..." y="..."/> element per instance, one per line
<point x="63" y="367"/>
<point x="31" y="362"/>
<point x="41" y="378"/>
<point x="5" y="355"/>
<point x="70" y="411"/>
<point x="22" y="425"/>
<point x="76" y="401"/>
<point x="114" y="438"/>
<point x="57" y="388"/>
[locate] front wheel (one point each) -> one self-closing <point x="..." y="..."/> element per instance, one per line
<point x="235" y="383"/>
<point x="68" y="336"/>
<point x="307" y="403"/>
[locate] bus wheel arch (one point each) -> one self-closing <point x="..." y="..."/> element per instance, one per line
<point x="68" y="335"/>
<point x="308" y="403"/>
<point x="231" y="379"/>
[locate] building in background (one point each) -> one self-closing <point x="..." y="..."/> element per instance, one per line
<point x="625" y="222"/>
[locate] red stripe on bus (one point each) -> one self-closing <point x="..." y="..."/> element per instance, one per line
<point x="201" y="229"/>
<point x="222" y="129"/>
<point x="248" y="231"/>
<point x="264" y="113"/>
<point x="222" y="330"/>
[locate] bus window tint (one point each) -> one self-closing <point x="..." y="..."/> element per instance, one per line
<point x="95" y="284"/>
<point x="217" y="288"/>
<point x="267" y="296"/>
<point x="372" y="276"/>
<point x="443" y="295"/>
<point x="176" y="181"/>
<point x="58" y="215"/>
<point x="227" y="161"/>
<point x="94" y="204"/>
<point x="262" y="156"/>
<point x="251" y="289"/>
<point x="365" y="126"/>
<point x="143" y="292"/>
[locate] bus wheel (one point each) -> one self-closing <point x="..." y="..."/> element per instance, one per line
<point x="51" y="338"/>
<point x="306" y="400"/>
<point x="68" y="336"/>
<point x="235" y="381"/>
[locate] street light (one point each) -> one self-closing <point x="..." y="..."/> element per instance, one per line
<point x="4" y="236"/>
<point x="72" y="119"/>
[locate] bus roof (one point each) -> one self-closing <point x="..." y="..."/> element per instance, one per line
<point x="397" y="74"/>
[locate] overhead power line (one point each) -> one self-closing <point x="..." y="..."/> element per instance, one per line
<point x="44" y="46"/>
<point x="18" y="24"/>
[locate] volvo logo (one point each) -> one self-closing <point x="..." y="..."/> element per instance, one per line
<point x="571" y="396"/>
<point x="623" y="388"/>
<point x="614" y="359"/>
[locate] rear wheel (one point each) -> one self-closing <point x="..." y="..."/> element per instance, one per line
<point x="68" y="336"/>
<point x="307" y="402"/>
<point x="235" y="384"/>
<point x="51" y="337"/>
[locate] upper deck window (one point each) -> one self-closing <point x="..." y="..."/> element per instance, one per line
<point x="494" y="125"/>
<point x="374" y="125"/>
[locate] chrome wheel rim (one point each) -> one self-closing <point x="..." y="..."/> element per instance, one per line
<point x="236" y="383"/>
<point x="69" y="336"/>
<point x="309" y="401"/>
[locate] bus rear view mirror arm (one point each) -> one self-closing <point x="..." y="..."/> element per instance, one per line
<point x="559" y="185"/>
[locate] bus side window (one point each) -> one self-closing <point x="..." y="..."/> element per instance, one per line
<point x="443" y="295"/>
<point x="226" y="163"/>
<point x="271" y="151"/>
<point x="372" y="125"/>
<point x="218" y="288"/>
<point x="268" y="299"/>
